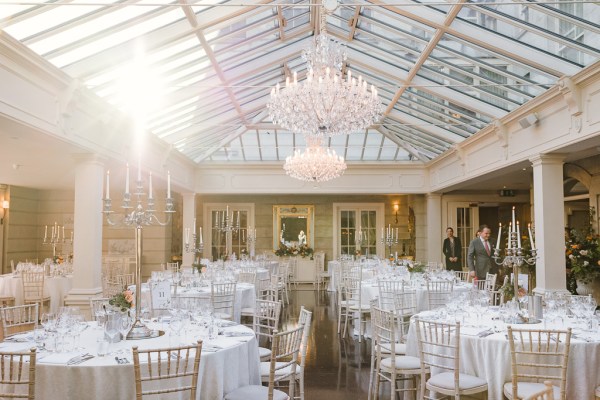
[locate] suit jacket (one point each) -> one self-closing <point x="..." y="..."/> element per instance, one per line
<point x="447" y="250"/>
<point x="478" y="259"/>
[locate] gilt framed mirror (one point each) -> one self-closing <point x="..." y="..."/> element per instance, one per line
<point x="293" y="225"/>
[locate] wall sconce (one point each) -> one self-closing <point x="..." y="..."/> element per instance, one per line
<point x="396" y="208"/>
<point x="5" y="206"/>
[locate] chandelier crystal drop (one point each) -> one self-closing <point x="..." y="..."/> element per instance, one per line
<point x="315" y="164"/>
<point x="325" y="103"/>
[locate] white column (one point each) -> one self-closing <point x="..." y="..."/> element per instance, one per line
<point x="549" y="231"/>
<point x="87" y="235"/>
<point x="434" y="227"/>
<point x="189" y="213"/>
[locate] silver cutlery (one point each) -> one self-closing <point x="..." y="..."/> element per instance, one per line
<point x="122" y="360"/>
<point x="80" y="359"/>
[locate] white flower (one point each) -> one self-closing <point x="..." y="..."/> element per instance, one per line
<point x="583" y="252"/>
<point x="571" y="257"/>
<point x="585" y="263"/>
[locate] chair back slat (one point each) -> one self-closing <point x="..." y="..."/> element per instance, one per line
<point x="17" y="369"/>
<point x="166" y="370"/>
<point x="539" y="355"/>
<point x="439" y="293"/>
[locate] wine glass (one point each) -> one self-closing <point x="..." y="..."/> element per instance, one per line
<point x="112" y="326"/>
<point x="125" y="324"/>
<point x="79" y="325"/>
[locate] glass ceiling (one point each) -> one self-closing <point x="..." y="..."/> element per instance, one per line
<point x="202" y="71"/>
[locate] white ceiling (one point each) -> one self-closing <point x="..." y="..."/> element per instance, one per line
<point x="443" y="71"/>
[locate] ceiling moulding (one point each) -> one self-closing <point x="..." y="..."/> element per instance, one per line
<point x="372" y="179"/>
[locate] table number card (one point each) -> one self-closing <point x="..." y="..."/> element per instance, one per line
<point x="161" y="294"/>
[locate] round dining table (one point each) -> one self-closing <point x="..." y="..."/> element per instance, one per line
<point x="245" y="296"/>
<point x="485" y="353"/>
<point x="57" y="287"/>
<point x="229" y="361"/>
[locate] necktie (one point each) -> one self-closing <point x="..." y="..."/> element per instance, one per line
<point x="487" y="247"/>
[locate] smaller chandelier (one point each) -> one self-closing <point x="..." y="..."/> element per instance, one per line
<point x="325" y="103"/>
<point x="315" y="164"/>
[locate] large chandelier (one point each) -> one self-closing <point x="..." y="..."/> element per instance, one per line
<point x="315" y="164"/>
<point x="325" y="103"/>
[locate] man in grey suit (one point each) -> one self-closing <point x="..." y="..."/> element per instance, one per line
<point x="479" y="255"/>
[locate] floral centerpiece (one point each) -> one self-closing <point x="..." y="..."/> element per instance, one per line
<point x="416" y="267"/>
<point x="582" y="253"/>
<point x="294" y="250"/>
<point x="199" y="267"/>
<point x="508" y="291"/>
<point x="122" y="301"/>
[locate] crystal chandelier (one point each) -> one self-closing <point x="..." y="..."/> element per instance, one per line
<point x="315" y="164"/>
<point x="325" y="103"/>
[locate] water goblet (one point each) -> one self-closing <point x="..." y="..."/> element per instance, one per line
<point x="112" y="326"/>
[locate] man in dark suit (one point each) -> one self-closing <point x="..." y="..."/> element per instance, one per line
<point x="479" y="255"/>
<point x="452" y="249"/>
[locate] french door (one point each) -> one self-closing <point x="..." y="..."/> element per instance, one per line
<point x="356" y="227"/>
<point x="464" y="219"/>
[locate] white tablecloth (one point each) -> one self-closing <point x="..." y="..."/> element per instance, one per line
<point x="489" y="358"/>
<point x="370" y="290"/>
<point x="333" y="267"/>
<point x="237" y="364"/>
<point x="245" y="296"/>
<point x="55" y="287"/>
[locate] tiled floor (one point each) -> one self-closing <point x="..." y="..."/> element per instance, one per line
<point x="336" y="368"/>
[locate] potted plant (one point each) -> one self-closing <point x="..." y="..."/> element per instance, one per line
<point x="583" y="256"/>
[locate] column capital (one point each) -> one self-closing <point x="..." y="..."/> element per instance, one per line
<point x="89" y="158"/>
<point x="433" y="195"/>
<point x="540" y="159"/>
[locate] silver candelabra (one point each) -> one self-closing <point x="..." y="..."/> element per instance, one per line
<point x="226" y="223"/>
<point x="251" y="241"/>
<point x="514" y="256"/>
<point x="197" y="244"/>
<point x="55" y="238"/>
<point x="137" y="216"/>
<point x="388" y="238"/>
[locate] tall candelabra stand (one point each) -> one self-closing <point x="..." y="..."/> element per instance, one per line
<point x="226" y="223"/>
<point x="55" y="238"/>
<point x="514" y="254"/>
<point x="197" y="244"/>
<point x="359" y="236"/>
<point x="251" y="241"/>
<point x="388" y="238"/>
<point x="138" y="216"/>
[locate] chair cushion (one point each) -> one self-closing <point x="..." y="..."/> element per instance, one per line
<point x="247" y="311"/>
<point x="445" y="380"/>
<point x="399" y="348"/>
<point x="402" y="362"/>
<point x="255" y="392"/>
<point x="526" y="389"/>
<point x="265" y="369"/>
<point x="222" y="315"/>
<point x="365" y="308"/>
<point x="264" y="353"/>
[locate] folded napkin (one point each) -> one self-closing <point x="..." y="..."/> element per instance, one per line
<point x="61" y="358"/>
<point x="15" y="347"/>
<point x="22" y="337"/>
<point x="238" y="334"/>
<point x="471" y="331"/>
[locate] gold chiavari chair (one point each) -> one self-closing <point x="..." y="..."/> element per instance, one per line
<point x="438" y="293"/>
<point x="463" y="276"/>
<point x="286" y="353"/>
<point x="265" y="323"/>
<point x="17" y="369"/>
<point x="98" y="306"/>
<point x="545" y="394"/>
<point x="439" y="349"/>
<point x="222" y="298"/>
<point x="33" y="289"/>
<point x="390" y="366"/>
<point x="537" y="355"/>
<point x="257" y="392"/>
<point x="125" y="280"/>
<point x="166" y="370"/>
<point x="18" y="319"/>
